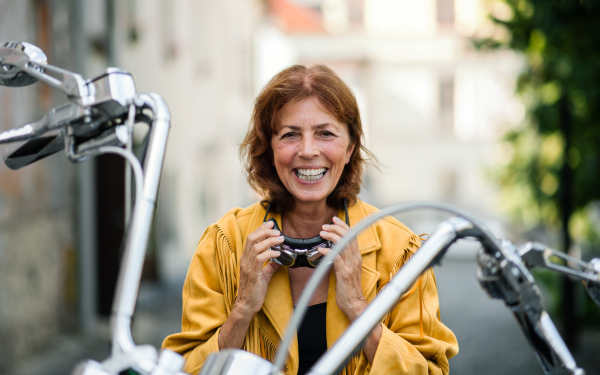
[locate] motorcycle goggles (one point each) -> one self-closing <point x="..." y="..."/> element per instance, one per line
<point x="300" y="252"/>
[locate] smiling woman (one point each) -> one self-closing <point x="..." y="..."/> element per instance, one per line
<point x="304" y="154"/>
<point x="333" y="97"/>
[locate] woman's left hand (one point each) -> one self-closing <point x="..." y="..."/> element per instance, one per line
<point x="347" y="268"/>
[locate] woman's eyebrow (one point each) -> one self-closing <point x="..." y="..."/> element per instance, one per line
<point x="318" y="126"/>
<point x="292" y="127"/>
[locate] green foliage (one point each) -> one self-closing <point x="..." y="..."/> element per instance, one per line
<point x="553" y="174"/>
<point x="561" y="90"/>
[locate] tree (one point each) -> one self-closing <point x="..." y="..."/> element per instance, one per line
<point x="555" y="161"/>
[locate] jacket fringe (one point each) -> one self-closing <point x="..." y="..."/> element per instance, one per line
<point x="256" y="341"/>
<point x="411" y="247"/>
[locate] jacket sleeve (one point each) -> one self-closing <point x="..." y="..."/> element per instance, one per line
<point x="204" y="307"/>
<point x="414" y="340"/>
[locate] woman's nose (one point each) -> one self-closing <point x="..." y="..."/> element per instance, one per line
<point x="308" y="148"/>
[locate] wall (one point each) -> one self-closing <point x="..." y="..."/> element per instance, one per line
<point x="37" y="254"/>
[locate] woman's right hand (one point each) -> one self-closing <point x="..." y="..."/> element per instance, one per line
<point x="254" y="282"/>
<point x="254" y="274"/>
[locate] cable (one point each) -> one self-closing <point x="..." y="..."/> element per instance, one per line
<point x="135" y="165"/>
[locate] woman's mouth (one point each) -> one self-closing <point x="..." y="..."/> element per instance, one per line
<point x="310" y="174"/>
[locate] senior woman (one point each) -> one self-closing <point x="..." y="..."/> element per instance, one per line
<point x="304" y="154"/>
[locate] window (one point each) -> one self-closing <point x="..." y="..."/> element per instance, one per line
<point x="445" y="13"/>
<point x="449" y="185"/>
<point x="446" y="103"/>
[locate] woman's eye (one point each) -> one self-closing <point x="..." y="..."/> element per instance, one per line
<point x="327" y="133"/>
<point x="288" y="135"/>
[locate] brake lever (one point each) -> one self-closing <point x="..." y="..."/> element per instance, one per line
<point x="71" y="84"/>
<point x="535" y="254"/>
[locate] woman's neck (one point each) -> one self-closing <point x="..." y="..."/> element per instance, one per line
<point x="306" y="220"/>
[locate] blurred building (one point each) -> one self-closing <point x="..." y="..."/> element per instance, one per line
<point x="198" y="55"/>
<point x="433" y="106"/>
<point x="38" y="269"/>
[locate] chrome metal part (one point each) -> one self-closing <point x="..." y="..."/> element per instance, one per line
<point x="503" y="275"/>
<point x="89" y="368"/>
<point x="83" y="128"/>
<point x="93" y="123"/>
<point x="535" y="254"/>
<point x="14" y="58"/>
<point x="234" y="362"/>
<point x="139" y="227"/>
<point x="593" y="287"/>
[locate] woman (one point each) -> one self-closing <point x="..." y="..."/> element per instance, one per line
<point x="304" y="153"/>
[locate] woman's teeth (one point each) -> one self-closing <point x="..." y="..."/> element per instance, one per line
<point x="310" y="174"/>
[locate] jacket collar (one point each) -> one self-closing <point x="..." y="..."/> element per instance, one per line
<point x="368" y="240"/>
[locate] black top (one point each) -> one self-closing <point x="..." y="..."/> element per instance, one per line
<point x="312" y="339"/>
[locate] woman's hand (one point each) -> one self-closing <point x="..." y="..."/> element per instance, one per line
<point x="254" y="282"/>
<point x="254" y="274"/>
<point x="347" y="268"/>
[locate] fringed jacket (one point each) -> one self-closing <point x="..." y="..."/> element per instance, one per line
<point x="414" y="340"/>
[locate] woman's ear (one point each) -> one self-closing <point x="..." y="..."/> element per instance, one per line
<point x="349" y="152"/>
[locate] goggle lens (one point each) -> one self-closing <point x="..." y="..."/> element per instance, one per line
<point x="314" y="257"/>
<point x="288" y="256"/>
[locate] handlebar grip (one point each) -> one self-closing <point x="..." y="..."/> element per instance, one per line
<point x="21" y="154"/>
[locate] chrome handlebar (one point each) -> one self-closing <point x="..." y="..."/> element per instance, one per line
<point x="97" y="120"/>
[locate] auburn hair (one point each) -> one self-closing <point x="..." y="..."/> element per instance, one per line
<point x="291" y="85"/>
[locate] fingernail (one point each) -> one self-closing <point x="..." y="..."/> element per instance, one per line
<point x="276" y="232"/>
<point x="325" y="226"/>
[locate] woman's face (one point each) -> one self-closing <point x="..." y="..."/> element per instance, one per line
<point x="310" y="150"/>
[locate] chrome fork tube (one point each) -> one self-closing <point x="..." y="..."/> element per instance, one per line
<point x="140" y="225"/>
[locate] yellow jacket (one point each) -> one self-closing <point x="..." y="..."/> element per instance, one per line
<point x="414" y="340"/>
